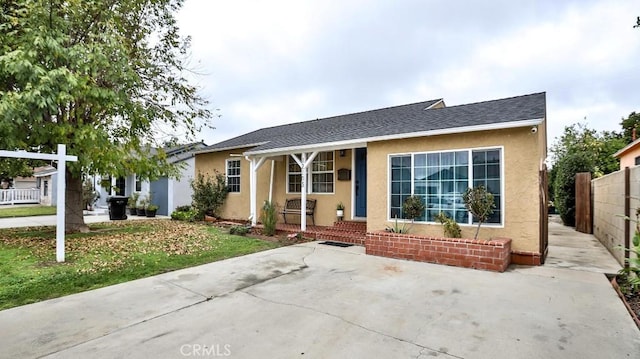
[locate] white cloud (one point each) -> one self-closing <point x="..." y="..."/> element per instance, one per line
<point x="269" y="63"/>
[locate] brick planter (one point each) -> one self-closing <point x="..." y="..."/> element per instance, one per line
<point x="492" y="255"/>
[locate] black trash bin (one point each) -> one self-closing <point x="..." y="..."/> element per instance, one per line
<point x="117" y="207"/>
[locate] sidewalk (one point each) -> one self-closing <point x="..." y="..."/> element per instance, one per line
<point x="36" y="221"/>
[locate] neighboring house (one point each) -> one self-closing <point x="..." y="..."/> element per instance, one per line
<point x="46" y="180"/>
<point x="372" y="161"/>
<point x="629" y="156"/>
<point x="24" y="182"/>
<point x="165" y="192"/>
<point x="23" y="190"/>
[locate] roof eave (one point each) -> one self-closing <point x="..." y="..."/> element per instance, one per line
<point x="205" y="150"/>
<point x="626" y="148"/>
<point x="362" y="142"/>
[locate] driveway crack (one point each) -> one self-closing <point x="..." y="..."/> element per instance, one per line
<point x="423" y="347"/>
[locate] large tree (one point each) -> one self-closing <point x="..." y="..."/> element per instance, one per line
<point x="101" y="76"/>
<point x="630" y="124"/>
<point x="580" y="149"/>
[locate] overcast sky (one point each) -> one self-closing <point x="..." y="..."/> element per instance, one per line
<point x="266" y="63"/>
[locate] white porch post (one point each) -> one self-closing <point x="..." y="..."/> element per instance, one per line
<point x="254" y="165"/>
<point x="304" y="161"/>
<point x="271" y="181"/>
<point x="252" y="191"/>
<point x="303" y="194"/>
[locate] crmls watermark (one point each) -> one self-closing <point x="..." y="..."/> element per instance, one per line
<point x="202" y="350"/>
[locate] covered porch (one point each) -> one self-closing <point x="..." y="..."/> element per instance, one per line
<point x="329" y="175"/>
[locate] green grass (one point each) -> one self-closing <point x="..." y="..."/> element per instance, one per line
<point x="8" y="212"/>
<point x="110" y="254"/>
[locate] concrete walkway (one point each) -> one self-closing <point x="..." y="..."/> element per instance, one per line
<point x="571" y="249"/>
<point x="318" y="301"/>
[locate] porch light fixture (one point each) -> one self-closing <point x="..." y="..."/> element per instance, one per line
<point x="342" y="153"/>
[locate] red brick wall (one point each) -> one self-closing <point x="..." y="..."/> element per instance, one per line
<point x="492" y="255"/>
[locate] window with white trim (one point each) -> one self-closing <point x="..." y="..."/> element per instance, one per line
<point x="321" y="173"/>
<point x="233" y="176"/>
<point x="440" y="179"/>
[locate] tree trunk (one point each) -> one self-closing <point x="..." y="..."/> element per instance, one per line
<point x="73" y="220"/>
<point x="477" y="230"/>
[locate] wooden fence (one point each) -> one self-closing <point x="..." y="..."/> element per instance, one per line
<point x="584" y="217"/>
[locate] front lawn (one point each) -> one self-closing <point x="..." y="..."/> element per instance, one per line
<point x="111" y="253"/>
<point x="27" y="211"/>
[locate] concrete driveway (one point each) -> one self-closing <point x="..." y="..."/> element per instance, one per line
<point x="318" y="301"/>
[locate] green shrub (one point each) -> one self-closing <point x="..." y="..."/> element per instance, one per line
<point x="269" y="217"/>
<point x="564" y="185"/>
<point x="189" y="215"/>
<point x="479" y="202"/>
<point x="629" y="276"/>
<point x="413" y="207"/>
<point x="397" y="228"/>
<point x="239" y="230"/>
<point x="209" y="194"/>
<point x="186" y="208"/>
<point x="451" y="227"/>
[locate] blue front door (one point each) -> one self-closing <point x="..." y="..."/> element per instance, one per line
<point x="361" y="182"/>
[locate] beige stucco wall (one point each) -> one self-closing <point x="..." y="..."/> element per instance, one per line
<point x="628" y="159"/>
<point x="237" y="205"/>
<point x="522" y="151"/>
<point x="523" y="154"/>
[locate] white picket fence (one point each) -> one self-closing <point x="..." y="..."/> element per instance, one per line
<point x="19" y="195"/>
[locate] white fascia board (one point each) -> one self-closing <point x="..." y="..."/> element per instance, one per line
<point x="362" y="142"/>
<point x="319" y="147"/>
<point x="229" y="148"/>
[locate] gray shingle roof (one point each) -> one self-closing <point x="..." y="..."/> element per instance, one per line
<point x="398" y="120"/>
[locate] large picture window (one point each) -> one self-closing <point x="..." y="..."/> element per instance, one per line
<point x="321" y="174"/>
<point x="440" y="179"/>
<point x="233" y="176"/>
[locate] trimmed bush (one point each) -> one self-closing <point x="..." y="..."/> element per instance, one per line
<point x="479" y="202"/>
<point x="181" y="215"/>
<point x="413" y="207"/>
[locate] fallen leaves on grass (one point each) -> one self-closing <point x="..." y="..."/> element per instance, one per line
<point x="112" y="246"/>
